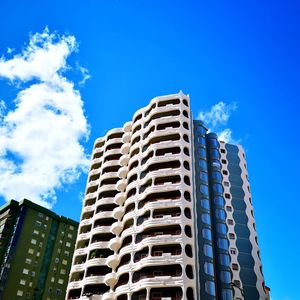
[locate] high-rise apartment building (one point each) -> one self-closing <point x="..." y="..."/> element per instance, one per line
<point x="167" y="214"/>
<point x="36" y="249"/>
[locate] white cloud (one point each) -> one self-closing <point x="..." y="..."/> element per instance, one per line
<point x="85" y="74"/>
<point x="40" y="139"/>
<point x="219" y="114"/>
<point x="217" y="117"/>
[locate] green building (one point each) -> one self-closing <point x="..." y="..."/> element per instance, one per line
<point x="36" y="249"/>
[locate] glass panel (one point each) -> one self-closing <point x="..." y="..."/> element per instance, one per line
<point x="209" y="268"/>
<point x="202" y="152"/>
<point x="208" y="251"/>
<point x="221" y="228"/>
<point x="227" y="294"/>
<point x="205" y="203"/>
<point x="218" y="188"/>
<point x="219" y="201"/>
<point x="202" y="164"/>
<point x="210" y="288"/>
<point x="205" y="218"/>
<point x="224" y="260"/>
<point x="206" y="233"/>
<point x="217" y="176"/>
<point x="216" y="164"/>
<point x="214" y="154"/>
<point x="225" y="277"/>
<point x="223" y="244"/>
<point x="220" y="214"/>
<point x="204" y="189"/>
<point x="203" y="176"/>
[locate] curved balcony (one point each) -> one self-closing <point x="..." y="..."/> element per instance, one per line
<point x="86" y="222"/>
<point x="115" y="244"/>
<point x="113" y="261"/>
<point x="88" y="208"/>
<point x="126" y="137"/>
<point x="95" y="262"/>
<point x="77" y="268"/>
<point x="123" y="161"/>
<point x="93" y="183"/>
<point x="90" y="196"/>
<point x="103" y="214"/>
<point x="121" y="185"/>
<point x="125" y="148"/>
<point x="117" y="227"/>
<point x="83" y="236"/>
<point x="127" y="126"/>
<point x="118" y="213"/>
<point x="110" y="279"/>
<point x="106" y="200"/>
<point x="80" y="251"/>
<point x="101" y="229"/>
<point x="120" y="198"/>
<point x="122" y="172"/>
<point x="75" y="285"/>
<point x="94" y="279"/>
<point x="98" y="245"/>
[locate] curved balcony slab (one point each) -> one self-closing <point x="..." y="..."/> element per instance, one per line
<point x="117" y="227"/>
<point x="115" y="244"/>
<point x="121" y="185"/>
<point x="123" y="161"/>
<point x="110" y="279"/>
<point x="126" y="137"/>
<point x="120" y="198"/>
<point x="113" y="261"/>
<point x="123" y="172"/>
<point x="127" y="126"/>
<point x="101" y="229"/>
<point x="93" y="279"/>
<point x="95" y="262"/>
<point x="125" y="148"/>
<point x="118" y="213"/>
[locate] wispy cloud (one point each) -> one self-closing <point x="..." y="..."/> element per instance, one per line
<point x="85" y="75"/>
<point x="40" y="138"/>
<point x="217" y="118"/>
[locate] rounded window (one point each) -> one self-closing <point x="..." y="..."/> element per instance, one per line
<point x="187" y="180"/>
<point x="187" y="212"/>
<point x="189" y="271"/>
<point x="186" y="151"/>
<point x="187" y="196"/>
<point x="190" y="293"/>
<point x="186" y="165"/>
<point x="188" y="251"/>
<point x="188" y="231"/>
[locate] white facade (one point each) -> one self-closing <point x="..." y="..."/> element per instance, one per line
<point x="135" y="238"/>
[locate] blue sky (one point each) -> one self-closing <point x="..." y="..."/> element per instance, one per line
<point x="232" y="51"/>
